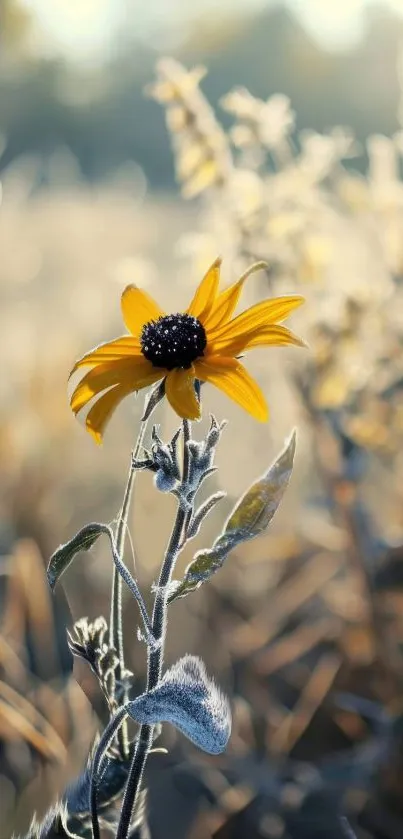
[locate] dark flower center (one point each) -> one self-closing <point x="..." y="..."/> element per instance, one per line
<point x="173" y="341"/>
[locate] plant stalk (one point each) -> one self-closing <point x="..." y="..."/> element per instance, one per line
<point x="155" y="657"/>
<point x="116" y="615"/>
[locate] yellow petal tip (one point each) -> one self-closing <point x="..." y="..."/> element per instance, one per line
<point x="74" y="368"/>
<point x="196" y="416"/>
<point x="256" y="266"/>
<point x="190" y="415"/>
<point x="263" y="415"/>
<point x="95" y="435"/>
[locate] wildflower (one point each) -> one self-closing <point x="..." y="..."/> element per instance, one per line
<point x="201" y="343"/>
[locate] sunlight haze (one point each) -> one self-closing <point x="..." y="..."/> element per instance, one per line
<point x="87" y="30"/>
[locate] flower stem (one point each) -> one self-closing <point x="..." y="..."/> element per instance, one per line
<point x="186" y="437"/>
<point x="102" y="748"/>
<point x="156" y="656"/>
<point x="116" y="616"/>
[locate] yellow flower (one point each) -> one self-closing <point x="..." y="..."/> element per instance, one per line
<point x="201" y="343"/>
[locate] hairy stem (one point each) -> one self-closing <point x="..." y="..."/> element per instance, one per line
<point x="186" y="427"/>
<point x="116" y="617"/>
<point x="103" y="746"/>
<point x="155" y="656"/>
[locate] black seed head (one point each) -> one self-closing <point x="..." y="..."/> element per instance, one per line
<point x="173" y="341"/>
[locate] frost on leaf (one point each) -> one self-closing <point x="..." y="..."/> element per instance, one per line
<point x="191" y="701"/>
<point x="64" y="555"/>
<point x="250" y="518"/>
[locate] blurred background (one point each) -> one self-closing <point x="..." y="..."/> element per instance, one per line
<point x="121" y="165"/>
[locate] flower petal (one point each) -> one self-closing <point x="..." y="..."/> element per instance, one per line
<point x="262" y="314"/>
<point x="275" y="336"/>
<point x="206" y="293"/>
<point x="135" y="374"/>
<point x="121" y="347"/>
<point x="231" y="377"/>
<point x="227" y="300"/>
<point x="180" y="392"/>
<point x="138" y="308"/>
<point x="103" y="409"/>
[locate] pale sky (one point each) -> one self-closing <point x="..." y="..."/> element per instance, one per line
<point x="84" y="30"/>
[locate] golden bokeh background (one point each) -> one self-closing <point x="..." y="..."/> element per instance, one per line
<point x="119" y="165"/>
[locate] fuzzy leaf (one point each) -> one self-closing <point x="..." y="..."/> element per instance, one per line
<point x="83" y="541"/>
<point x="188" y="699"/>
<point x="64" y="554"/>
<point x="202" y="512"/>
<point x="250" y="518"/>
<point x="202" y="567"/>
<point x="256" y="508"/>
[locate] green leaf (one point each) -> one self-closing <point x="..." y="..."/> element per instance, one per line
<point x="255" y="510"/>
<point x="64" y="554"/>
<point x="83" y="541"/>
<point x="250" y="518"/>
